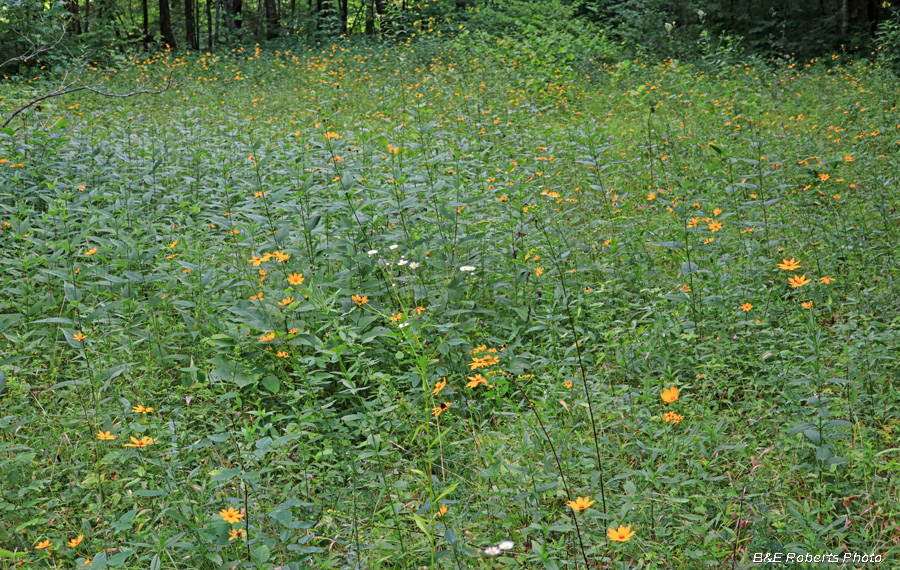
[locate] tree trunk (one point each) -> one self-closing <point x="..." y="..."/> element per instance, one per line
<point x="145" y="14"/>
<point x="273" y="23"/>
<point x="343" y="10"/>
<point x="370" y="18"/>
<point x="74" y="23"/>
<point x="209" y="32"/>
<point x="87" y="16"/>
<point x="165" y="23"/>
<point x="189" y="27"/>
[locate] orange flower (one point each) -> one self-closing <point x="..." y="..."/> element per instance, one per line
<point x="746" y="307"/>
<point x="476" y="381"/>
<point x="580" y="503"/>
<point x="282" y="354"/>
<point x="91" y="251"/>
<point x="267" y="337"/>
<point x="330" y="135"/>
<point x="539" y="271"/>
<point x="360" y="301"/>
<point x="621" y="534"/>
<point x="105" y="436"/>
<point x="439" y="386"/>
<point x="440" y="409"/>
<point x="281" y="256"/>
<point x="715" y="226"/>
<point x="826" y="280"/>
<point x="789" y="265"/>
<point x="230" y="515"/>
<point x="670" y="395"/>
<point x="236" y="533"/>
<point x="807" y="305"/>
<point x="396" y="317"/>
<point x="141" y="410"/>
<point x="798" y="281"/>
<point x="672" y="417"/>
<point x="257" y="297"/>
<point x="76" y="541"/>
<point x="143" y="442"/>
<point x="824" y="177"/>
<point x="79" y="337"/>
<point x="296" y="279"/>
<point x="294" y="331"/>
<point x="286" y="301"/>
<point x="42" y="545"/>
<point x="442" y="511"/>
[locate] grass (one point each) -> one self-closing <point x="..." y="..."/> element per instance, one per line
<point x="394" y="307"/>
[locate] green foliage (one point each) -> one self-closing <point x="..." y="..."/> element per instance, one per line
<point x="395" y="308"/>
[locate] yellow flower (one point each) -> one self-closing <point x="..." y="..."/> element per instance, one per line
<point x="746" y="307"/>
<point x="236" y="533"/>
<point x="420" y="310"/>
<point x="848" y="159"/>
<point x="76" y="541"/>
<point x="282" y="354"/>
<point x="230" y="515"/>
<point x="569" y="384"/>
<point x="580" y="503"/>
<point x="91" y="251"/>
<point x="826" y="280"/>
<point x="360" y="301"/>
<point x="715" y="226"/>
<point x="330" y="135"/>
<point x="257" y="297"/>
<point x="141" y="410"/>
<point x="439" y="386"/>
<point x="79" y="337"/>
<point x="716" y="212"/>
<point x="442" y="511"/>
<point x="294" y="331"/>
<point x="259" y="194"/>
<point x="173" y="244"/>
<point x="267" y="337"/>
<point x="281" y="256"/>
<point x="87" y="562"/>
<point x="105" y="436"/>
<point x="824" y="177"/>
<point x="670" y="395"/>
<point x="295" y="278"/>
<point x="440" y="409"/>
<point x="396" y="317"/>
<point x="807" y="305"/>
<point x="798" y="281"/>
<point x="143" y="442"/>
<point x="286" y="301"/>
<point x="539" y="271"/>
<point x="789" y="265"/>
<point x="475" y="381"/>
<point x="42" y="545"/>
<point x="621" y="534"/>
<point x="485" y="362"/>
<point x="672" y="417"/>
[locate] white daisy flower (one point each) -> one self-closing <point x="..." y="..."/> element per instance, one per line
<point x="413" y="265"/>
<point x="395" y="246"/>
<point x="372" y="251"/>
<point x="468" y="268"/>
<point x="492" y="551"/>
<point x="401" y="325"/>
<point x="506" y="545"/>
<point x="402" y="262"/>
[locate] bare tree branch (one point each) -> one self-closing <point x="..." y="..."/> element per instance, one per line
<point x="35" y="49"/>
<point x="66" y="88"/>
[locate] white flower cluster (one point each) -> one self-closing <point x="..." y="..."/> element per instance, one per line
<point x="496" y="550"/>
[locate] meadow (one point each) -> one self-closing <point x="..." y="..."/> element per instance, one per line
<point x="450" y="305"/>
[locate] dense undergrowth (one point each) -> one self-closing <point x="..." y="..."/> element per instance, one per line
<point x="396" y="307"/>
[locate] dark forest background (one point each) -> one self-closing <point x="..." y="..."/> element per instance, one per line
<point x="687" y="29"/>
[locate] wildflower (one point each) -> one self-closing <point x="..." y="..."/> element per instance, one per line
<point x="622" y="534"/>
<point x="282" y="354"/>
<point x="403" y="262"/>
<point x="79" y="337"/>
<point x="848" y="159"/>
<point x="393" y="247"/>
<point x="42" y="545"/>
<point x="294" y="331"/>
<point x="259" y="194"/>
<point x="651" y="196"/>
<point x="413" y="265"/>
<point x="475" y="381"/>
<point x="281" y="256"/>
<point x="286" y="301"/>
<point x="539" y="271"/>
<point x="468" y="268"/>
<point x="672" y="417"/>
<point x="837" y="196"/>
<point x="807" y="305"/>
<point x="569" y="384"/>
<point x="360" y="301"/>
<point x="230" y="515"/>
<point x="687" y="288"/>
<point x="826" y="280"/>
<point x="492" y="551"/>
<point x="789" y="265"/>
<point x="403" y="325"/>
<point x="506" y="545"/>
<point x="824" y="177"/>
<point x="440" y="409"/>
<point x="483" y="362"/>
<point x="798" y="281"/>
<point x="73" y="542"/>
<point x="580" y="503"/>
<point x="715" y="226"/>
<point x="257" y="297"/>
<point x="330" y="135"/>
<point x="236" y="533"/>
<point x="256" y="260"/>
<point x="716" y="212"/>
<point x="420" y="310"/>
<point x="141" y="410"/>
<point x="143" y="442"/>
<point x="91" y="251"/>
<point x="670" y="395"/>
<point x="173" y="244"/>
<point x="746" y="307"/>
<point x="439" y="386"/>
<point x="105" y="436"/>
<point x="396" y="317"/>
<point x="87" y="562"/>
<point x="442" y="511"/>
<point x="296" y="279"/>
